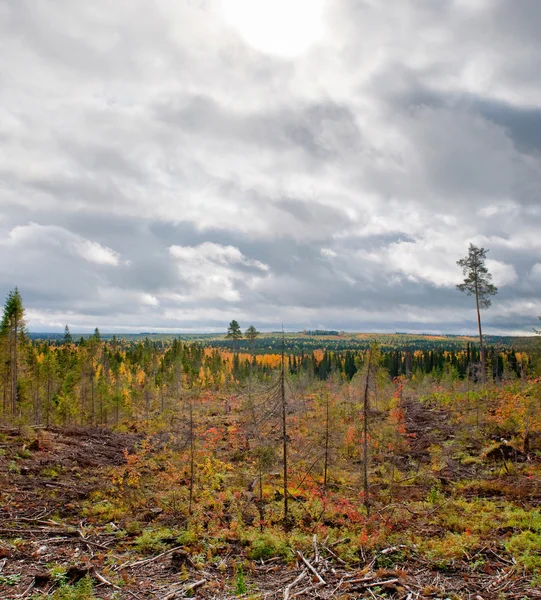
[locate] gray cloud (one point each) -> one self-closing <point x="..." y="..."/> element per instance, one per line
<point x="158" y="172"/>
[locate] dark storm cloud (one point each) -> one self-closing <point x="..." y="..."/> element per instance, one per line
<point x="158" y="172"/>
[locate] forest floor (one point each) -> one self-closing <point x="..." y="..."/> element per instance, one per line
<point x="48" y="545"/>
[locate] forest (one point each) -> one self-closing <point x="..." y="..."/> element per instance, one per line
<point x="318" y="464"/>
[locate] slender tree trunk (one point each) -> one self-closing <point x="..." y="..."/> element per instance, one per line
<point x="14" y="374"/>
<point x="284" y="435"/>
<point x="261" y="507"/>
<point x="192" y="458"/>
<point x="326" y="465"/>
<point x="103" y="412"/>
<point x="92" y="397"/>
<point x="251" y="405"/>
<point x="36" y="397"/>
<point x="366" y="489"/>
<point x="481" y="343"/>
<point x="5" y="390"/>
<point x="48" y="405"/>
<point x="117" y="399"/>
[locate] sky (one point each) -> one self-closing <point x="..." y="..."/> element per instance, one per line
<point x="175" y="164"/>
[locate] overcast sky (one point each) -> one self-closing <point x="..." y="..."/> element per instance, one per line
<point x="171" y="165"/>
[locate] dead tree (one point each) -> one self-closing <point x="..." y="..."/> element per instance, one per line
<point x="284" y="433"/>
<point x="365" y="431"/>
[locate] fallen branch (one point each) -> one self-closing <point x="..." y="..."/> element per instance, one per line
<point x="311" y="567"/>
<point x="108" y="583"/>
<point x="392" y="549"/>
<point x="342" y="541"/>
<point x="377" y="583"/>
<point x="102" y="579"/>
<point x="185" y="589"/>
<point x="289" y="587"/>
<point x="308" y="589"/>
<point x="27" y="590"/>
<point x="334" y="555"/>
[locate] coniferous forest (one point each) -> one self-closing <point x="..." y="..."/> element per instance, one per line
<point x="322" y="464"/>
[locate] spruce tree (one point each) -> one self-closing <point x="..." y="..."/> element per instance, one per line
<point x="10" y="329"/>
<point x="67" y="336"/>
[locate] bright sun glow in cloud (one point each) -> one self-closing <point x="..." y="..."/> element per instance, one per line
<point x="283" y="27"/>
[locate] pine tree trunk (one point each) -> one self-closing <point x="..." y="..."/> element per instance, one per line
<point x="481" y="343"/>
<point x="284" y="436"/>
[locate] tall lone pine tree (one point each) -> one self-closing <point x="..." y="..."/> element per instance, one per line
<point x="477" y="282"/>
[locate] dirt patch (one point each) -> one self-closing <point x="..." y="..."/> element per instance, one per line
<point x="426" y="426"/>
<point x="57" y="469"/>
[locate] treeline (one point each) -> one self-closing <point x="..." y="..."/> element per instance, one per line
<point x="299" y="345"/>
<point x="95" y="381"/>
<point x="104" y="382"/>
<point x="440" y="363"/>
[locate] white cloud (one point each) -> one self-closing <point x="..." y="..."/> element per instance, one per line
<point x="96" y="253"/>
<point x="328" y="253"/>
<point x="35" y="235"/>
<point x="502" y="273"/>
<point x="214" y="253"/>
<point x="215" y="271"/>
<point x="149" y="300"/>
<point x="503" y="208"/>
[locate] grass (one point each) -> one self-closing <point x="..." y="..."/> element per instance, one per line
<point x="82" y="590"/>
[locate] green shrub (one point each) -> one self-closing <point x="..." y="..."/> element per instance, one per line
<point x="82" y="590"/>
<point x="390" y="560"/>
<point x="151" y="541"/>
<point x="49" y="472"/>
<point x="133" y="527"/>
<point x="526" y="550"/>
<point x="240" y="582"/>
<point x="185" y="538"/>
<point x="267" y="546"/>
